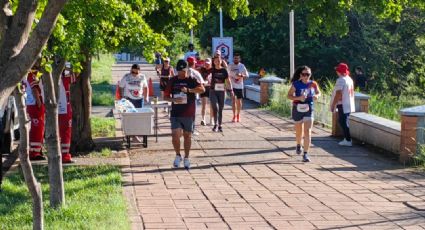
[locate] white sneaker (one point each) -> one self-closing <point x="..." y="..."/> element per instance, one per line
<point x="195" y="133"/>
<point x="345" y="143"/>
<point x="186" y="163"/>
<point x="177" y="161"/>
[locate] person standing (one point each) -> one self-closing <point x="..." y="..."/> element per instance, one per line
<point x="360" y="79"/>
<point x="166" y="72"/>
<point x="134" y="87"/>
<point x="303" y="93"/>
<point x="191" y="52"/>
<point x="36" y="112"/>
<point x="158" y="61"/>
<point x="219" y="76"/>
<point x="181" y="91"/>
<point x="206" y="75"/>
<point x="238" y="73"/>
<point x="65" y="113"/>
<point x="343" y="100"/>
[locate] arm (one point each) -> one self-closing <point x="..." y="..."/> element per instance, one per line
<point x="244" y="73"/>
<point x="338" y="97"/>
<point x="291" y="95"/>
<point x="318" y="93"/>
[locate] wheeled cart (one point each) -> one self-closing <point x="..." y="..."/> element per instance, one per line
<point x="138" y="123"/>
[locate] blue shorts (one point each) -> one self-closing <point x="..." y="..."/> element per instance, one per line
<point x="299" y="117"/>
<point x="185" y="123"/>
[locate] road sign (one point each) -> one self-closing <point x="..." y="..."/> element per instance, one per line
<point x="225" y="45"/>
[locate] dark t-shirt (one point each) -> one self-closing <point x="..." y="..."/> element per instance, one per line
<point x="218" y="77"/>
<point x="361" y="81"/>
<point x="205" y="73"/>
<point x="174" y="88"/>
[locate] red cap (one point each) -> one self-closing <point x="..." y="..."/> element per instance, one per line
<point x="342" y="68"/>
<point x="191" y="60"/>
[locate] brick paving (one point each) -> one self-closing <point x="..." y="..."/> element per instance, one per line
<point x="249" y="177"/>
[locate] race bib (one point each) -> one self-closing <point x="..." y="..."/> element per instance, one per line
<point x="303" y="108"/>
<point x="219" y="87"/>
<point x="181" y="95"/>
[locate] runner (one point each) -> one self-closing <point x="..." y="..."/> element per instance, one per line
<point x="195" y="74"/>
<point x="238" y="73"/>
<point x="343" y="100"/>
<point x="206" y="75"/>
<point x="191" y="52"/>
<point x="303" y="92"/>
<point x="219" y="76"/>
<point x="217" y="54"/>
<point x="166" y="72"/>
<point x="181" y="91"/>
<point x="134" y="87"/>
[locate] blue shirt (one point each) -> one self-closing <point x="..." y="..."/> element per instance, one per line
<point x="301" y="88"/>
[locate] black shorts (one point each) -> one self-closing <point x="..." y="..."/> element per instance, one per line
<point x="299" y="117"/>
<point x="206" y="93"/>
<point x="163" y="83"/>
<point x="238" y="93"/>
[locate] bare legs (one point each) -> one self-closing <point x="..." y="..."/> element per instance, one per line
<point x="303" y="129"/>
<point x="187" y="141"/>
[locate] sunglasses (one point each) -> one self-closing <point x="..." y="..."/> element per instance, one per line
<point x="305" y="74"/>
<point x="134" y="72"/>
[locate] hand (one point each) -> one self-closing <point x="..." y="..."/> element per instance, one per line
<point x="315" y="97"/>
<point x="184" y="90"/>
<point x="38" y="102"/>
<point x="301" y="98"/>
<point x="232" y="94"/>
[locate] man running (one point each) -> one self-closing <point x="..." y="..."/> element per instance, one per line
<point x="237" y="73"/>
<point x="181" y="91"/>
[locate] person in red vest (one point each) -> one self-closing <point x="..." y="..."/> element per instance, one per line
<point x="36" y="112"/>
<point x="65" y="113"/>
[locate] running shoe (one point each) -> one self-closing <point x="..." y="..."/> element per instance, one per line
<point x="298" y="150"/>
<point x="220" y="129"/>
<point x="345" y="143"/>
<point x="203" y="123"/>
<point x="186" y="163"/>
<point x="215" y="129"/>
<point x="177" y="161"/>
<point x="306" y="158"/>
<point x="234" y="119"/>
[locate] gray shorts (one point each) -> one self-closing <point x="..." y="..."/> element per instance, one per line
<point x="185" y="123"/>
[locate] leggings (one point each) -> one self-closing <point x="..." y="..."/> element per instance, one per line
<point x="343" y="122"/>
<point x="217" y="103"/>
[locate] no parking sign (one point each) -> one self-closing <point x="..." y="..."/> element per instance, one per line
<point x="225" y="45"/>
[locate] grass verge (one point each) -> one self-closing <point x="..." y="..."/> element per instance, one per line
<point x="94" y="200"/>
<point x="103" y="127"/>
<point x="101" y="80"/>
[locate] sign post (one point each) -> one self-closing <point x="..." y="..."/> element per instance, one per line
<point x="225" y="45"/>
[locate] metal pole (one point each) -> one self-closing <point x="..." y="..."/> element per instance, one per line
<point x="291" y="44"/>
<point x="221" y="23"/>
<point x="191" y="36"/>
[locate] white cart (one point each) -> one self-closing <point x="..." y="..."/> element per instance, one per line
<point x="138" y="123"/>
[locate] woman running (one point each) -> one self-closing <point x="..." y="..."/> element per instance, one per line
<point x="303" y="93"/>
<point x="219" y="76"/>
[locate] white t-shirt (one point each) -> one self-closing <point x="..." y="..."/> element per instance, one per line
<point x="190" y="54"/>
<point x="235" y="69"/>
<point x="346" y="85"/>
<point x="195" y="74"/>
<point x="133" y="86"/>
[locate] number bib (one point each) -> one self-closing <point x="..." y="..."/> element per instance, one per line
<point x="219" y="87"/>
<point x="303" y="108"/>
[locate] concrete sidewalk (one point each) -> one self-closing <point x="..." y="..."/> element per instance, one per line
<point x="249" y="177"/>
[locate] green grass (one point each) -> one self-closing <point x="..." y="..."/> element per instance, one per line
<point x="101" y="80"/>
<point x="105" y="152"/>
<point x="94" y="200"/>
<point x="388" y="106"/>
<point x="103" y="127"/>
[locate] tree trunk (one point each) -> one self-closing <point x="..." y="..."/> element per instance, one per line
<point x="81" y="94"/>
<point x="57" y="193"/>
<point x="33" y="186"/>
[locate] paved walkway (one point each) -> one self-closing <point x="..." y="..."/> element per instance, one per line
<point x="249" y="177"/>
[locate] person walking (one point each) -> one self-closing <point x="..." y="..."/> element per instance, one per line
<point x="343" y="100"/>
<point x="134" y="87"/>
<point x="206" y="71"/>
<point x="36" y="111"/>
<point x="219" y="77"/>
<point x="181" y="91"/>
<point x="65" y="113"/>
<point x="303" y="93"/>
<point x="238" y="73"/>
<point x="165" y="73"/>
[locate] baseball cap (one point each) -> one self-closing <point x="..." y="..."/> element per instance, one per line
<point x="191" y="60"/>
<point x="181" y="65"/>
<point x="208" y="61"/>
<point x="342" y="68"/>
<point x="217" y="52"/>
